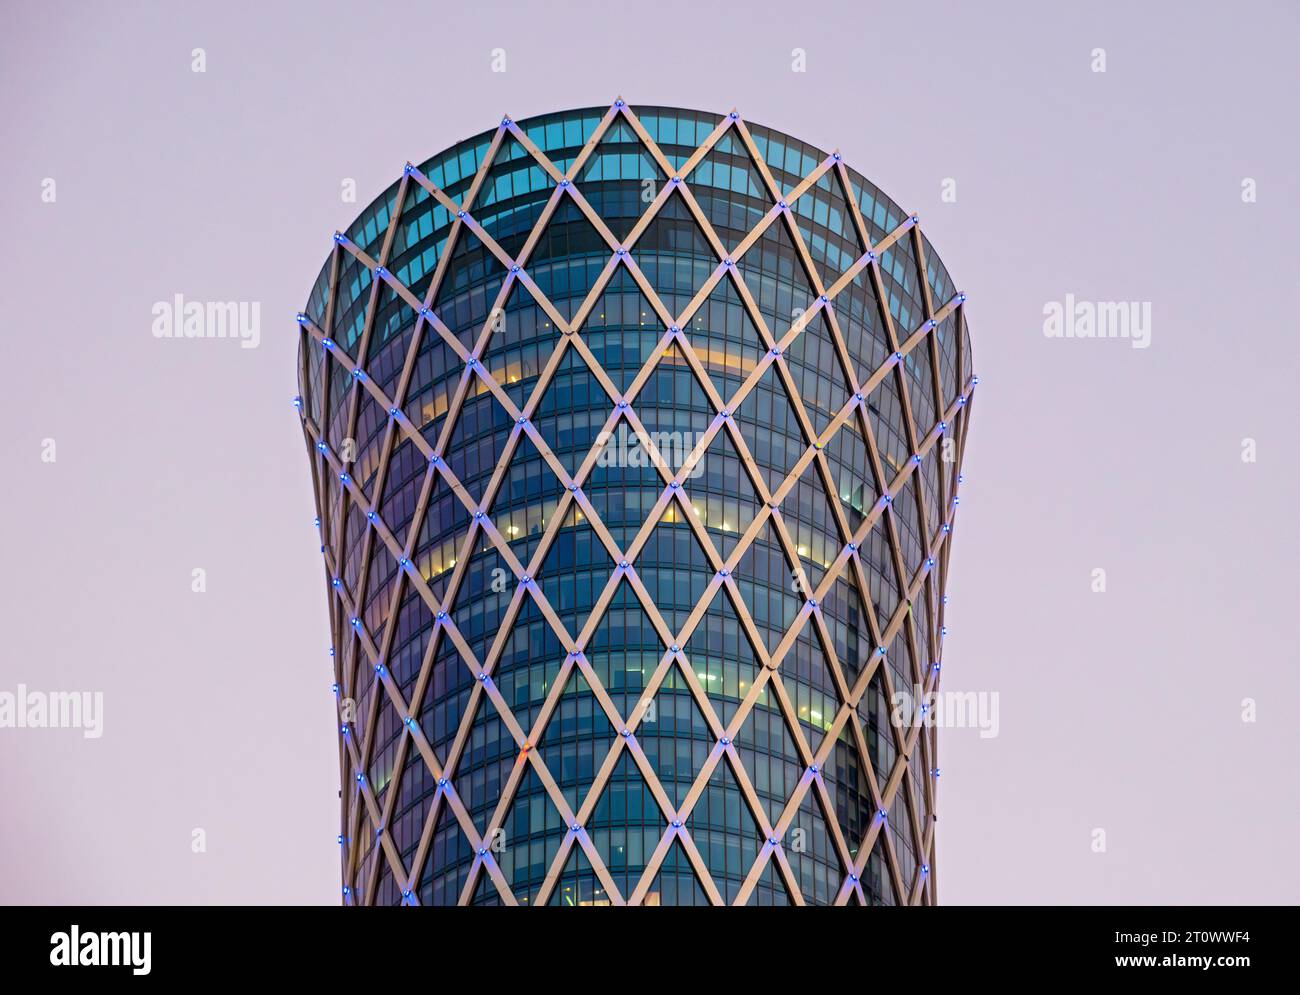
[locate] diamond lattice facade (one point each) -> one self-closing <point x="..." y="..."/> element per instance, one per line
<point x="635" y="436"/>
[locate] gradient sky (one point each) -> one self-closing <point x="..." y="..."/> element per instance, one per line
<point x="1119" y="711"/>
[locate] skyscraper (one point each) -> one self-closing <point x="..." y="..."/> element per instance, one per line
<point x="635" y="436"/>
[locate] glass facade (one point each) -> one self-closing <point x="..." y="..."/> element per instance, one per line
<point x="635" y="436"/>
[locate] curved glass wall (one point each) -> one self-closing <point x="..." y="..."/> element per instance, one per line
<point x="635" y="466"/>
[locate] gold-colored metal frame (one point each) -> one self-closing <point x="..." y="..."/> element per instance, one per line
<point x="914" y="885"/>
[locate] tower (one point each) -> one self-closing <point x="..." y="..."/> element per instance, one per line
<point x="635" y="437"/>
